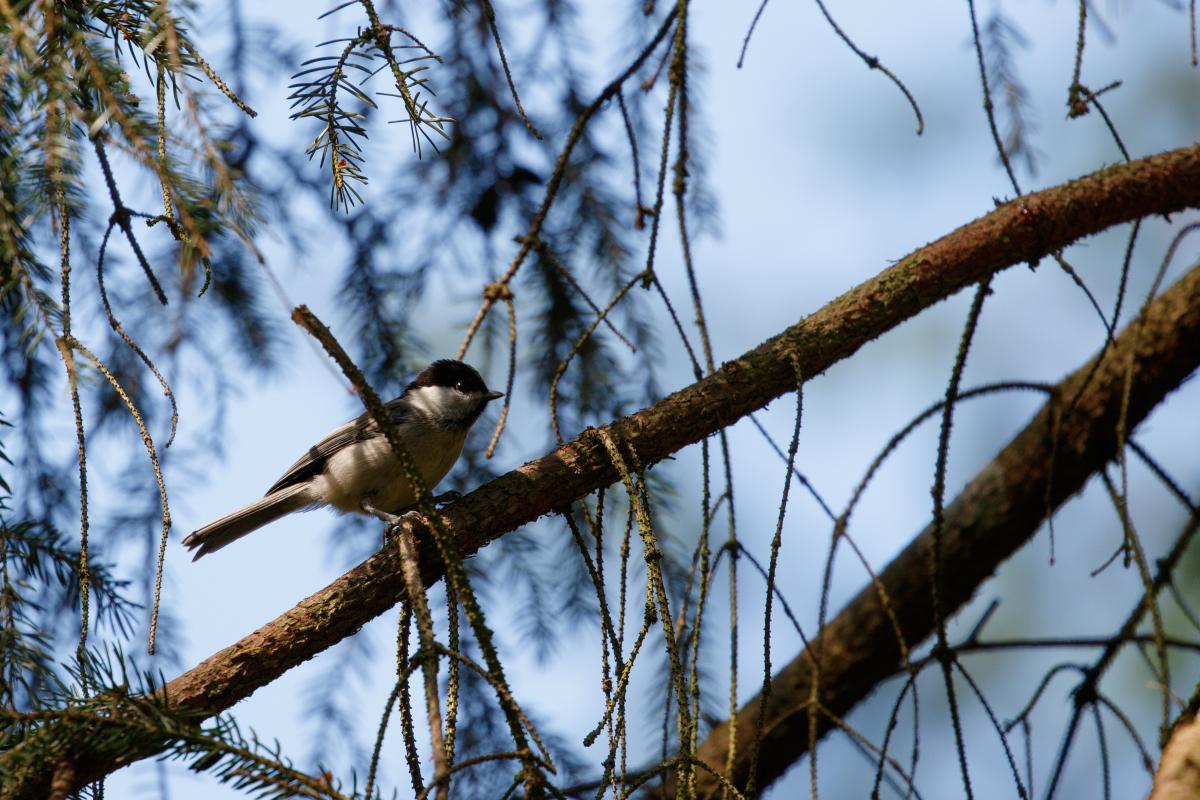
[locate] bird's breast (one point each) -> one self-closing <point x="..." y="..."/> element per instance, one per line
<point x="368" y="471"/>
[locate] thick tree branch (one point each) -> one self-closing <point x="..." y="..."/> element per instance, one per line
<point x="996" y="513"/>
<point x="1025" y="230"/>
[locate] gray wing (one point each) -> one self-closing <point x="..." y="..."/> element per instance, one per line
<point x="313" y="462"/>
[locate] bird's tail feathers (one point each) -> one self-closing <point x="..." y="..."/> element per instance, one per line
<point x="221" y="532"/>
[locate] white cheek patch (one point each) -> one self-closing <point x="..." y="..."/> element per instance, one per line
<point x="440" y="401"/>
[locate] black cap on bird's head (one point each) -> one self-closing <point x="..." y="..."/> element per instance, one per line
<point x="455" y="375"/>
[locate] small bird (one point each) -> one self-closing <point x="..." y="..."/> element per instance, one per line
<point x="354" y="465"/>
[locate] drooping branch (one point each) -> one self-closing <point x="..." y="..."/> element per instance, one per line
<point x="1022" y="231"/>
<point x="996" y="513"/>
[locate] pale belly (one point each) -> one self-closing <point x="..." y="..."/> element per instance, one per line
<point x="368" y="471"/>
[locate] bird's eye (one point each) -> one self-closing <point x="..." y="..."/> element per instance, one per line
<point x="460" y="387"/>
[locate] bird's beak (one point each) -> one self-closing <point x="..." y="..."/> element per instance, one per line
<point x="490" y="396"/>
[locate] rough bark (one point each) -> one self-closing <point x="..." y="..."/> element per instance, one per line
<point x="1022" y="231"/>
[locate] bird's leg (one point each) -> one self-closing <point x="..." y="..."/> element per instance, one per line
<point x="392" y="520"/>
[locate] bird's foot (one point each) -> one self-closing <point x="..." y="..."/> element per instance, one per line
<point x="392" y="520"/>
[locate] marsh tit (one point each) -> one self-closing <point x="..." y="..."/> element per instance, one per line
<point x="354" y="465"/>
